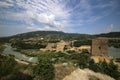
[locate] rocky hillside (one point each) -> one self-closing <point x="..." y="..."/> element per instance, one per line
<point x="86" y="74"/>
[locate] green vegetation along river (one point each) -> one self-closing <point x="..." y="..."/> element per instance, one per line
<point x="9" y="50"/>
<point x="113" y="52"/>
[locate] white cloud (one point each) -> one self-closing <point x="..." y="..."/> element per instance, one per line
<point x="44" y="18"/>
<point x="45" y="28"/>
<point x="45" y="12"/>
<point x="46" y="6"/>
<point x="56" y="14"/>
<point x="110" y="28"/>
<point x="5" y="4"/>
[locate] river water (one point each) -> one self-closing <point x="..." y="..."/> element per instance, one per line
<point x="9" y="50"/>
<point x="113" y="52"/>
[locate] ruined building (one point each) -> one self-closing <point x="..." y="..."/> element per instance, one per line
<point x="59" y="46"/>
<point x="100" y="47"/>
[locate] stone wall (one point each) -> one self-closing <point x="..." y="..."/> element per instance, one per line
<point x="100" y="47"/>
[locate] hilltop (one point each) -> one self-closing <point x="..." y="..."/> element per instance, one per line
<point x="54" y="35"/>
<point x="110" y="35"/>
<point x="61" y="35"/>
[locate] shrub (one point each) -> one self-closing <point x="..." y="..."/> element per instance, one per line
<point x="7" y="65"/>
<point x="44" y="70"/>
<point x="110" y="69"/>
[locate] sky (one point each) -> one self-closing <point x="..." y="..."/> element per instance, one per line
<point x="71" y="16"/>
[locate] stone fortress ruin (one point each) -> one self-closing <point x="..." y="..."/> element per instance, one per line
<point x="59" y="46"/>
<point x="99" y="50"/>
<point x="100" y="47"/>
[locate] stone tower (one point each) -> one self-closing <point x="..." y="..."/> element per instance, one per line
<point x="100" y="47"/>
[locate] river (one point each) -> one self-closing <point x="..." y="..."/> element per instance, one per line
<point x="9" y="50"/>
<point x="113" y="52"/>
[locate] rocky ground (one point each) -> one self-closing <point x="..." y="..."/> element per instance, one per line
<point x="87" y="74"/>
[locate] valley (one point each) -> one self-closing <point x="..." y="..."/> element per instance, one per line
<point x="36" y="52"/>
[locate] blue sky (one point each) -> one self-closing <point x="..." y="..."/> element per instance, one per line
<point x="73" y="16"/>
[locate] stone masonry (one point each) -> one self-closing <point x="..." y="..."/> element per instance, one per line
<point x="100" y="47"/>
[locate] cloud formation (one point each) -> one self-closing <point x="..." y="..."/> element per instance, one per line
<point x="110" y="28"/>
<point x="55" y="14"/>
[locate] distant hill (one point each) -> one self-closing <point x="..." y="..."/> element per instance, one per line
<point x="53" y="35"/>
<point x="110" y="35"/>
<point x="58" y="35"/>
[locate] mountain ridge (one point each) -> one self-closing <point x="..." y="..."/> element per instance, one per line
<point x="61" y="35"/>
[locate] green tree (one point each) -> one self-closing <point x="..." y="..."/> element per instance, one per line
<point x="7" y="64"/>
<point x="80" y="59"/>
<point x="44" y="70"/>
<point x="82" y="42"/>
<point x="110" y="69"/>
<point x="113" y="70"/>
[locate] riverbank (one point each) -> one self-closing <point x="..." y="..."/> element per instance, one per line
<point x="30" y="52"/>
<point x="21" y="62"/>
<point x="10" y="51"/>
